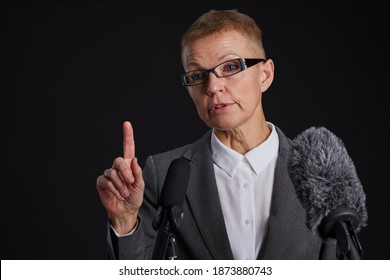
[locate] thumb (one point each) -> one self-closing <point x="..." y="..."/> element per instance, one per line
<point x="137" y="173"/>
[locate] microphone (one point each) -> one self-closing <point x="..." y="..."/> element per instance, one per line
<point x="329" y="189"/>
<point x="170" y="211"/>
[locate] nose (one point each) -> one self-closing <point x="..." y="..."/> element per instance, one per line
<point x="215" y="85"/>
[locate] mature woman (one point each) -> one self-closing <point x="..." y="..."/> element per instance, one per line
<point x="240" y="202"/>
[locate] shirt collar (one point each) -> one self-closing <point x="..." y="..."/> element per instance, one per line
<point x="258" y="158"/>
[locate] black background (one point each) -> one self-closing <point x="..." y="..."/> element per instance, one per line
<point x="72" y="73"/>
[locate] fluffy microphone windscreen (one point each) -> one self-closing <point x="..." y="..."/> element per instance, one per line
<point x="324" y="176"/>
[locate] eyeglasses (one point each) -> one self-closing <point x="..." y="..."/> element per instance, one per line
<point x="225" y="69"/>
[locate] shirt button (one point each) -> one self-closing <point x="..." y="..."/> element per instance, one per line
<point x="248" y="222"/>
<point x="245" y="185"/>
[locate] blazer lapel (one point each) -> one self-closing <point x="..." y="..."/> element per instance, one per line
<point x="281" y="218"/>
<point x="286" y="234"/>
<point x="203" y="199"/>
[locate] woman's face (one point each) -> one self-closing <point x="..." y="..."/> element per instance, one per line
<point x="229" y="102"/>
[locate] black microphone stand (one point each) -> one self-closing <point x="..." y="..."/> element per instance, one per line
<point x="341" y="224"/>
<point x="166" y="222"/>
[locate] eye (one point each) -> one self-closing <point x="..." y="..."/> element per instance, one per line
<point x="231" y="66"/>
<point x="197" y="75"/>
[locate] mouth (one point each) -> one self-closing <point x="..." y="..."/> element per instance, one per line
<point x="219" y="107"/>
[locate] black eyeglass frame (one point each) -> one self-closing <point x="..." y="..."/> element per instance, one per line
<point x="245" y="63"/>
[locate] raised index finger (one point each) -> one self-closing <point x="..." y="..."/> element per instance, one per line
<point x="128" y="141"/>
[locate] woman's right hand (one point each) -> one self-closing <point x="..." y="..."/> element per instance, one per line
<point x="121" y="187"/>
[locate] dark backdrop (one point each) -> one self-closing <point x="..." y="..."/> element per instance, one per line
<point x="71" y="74"/>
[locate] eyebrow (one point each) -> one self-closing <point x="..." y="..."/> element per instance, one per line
<point x="227" y="54"/>
<point x="193" y="64"/>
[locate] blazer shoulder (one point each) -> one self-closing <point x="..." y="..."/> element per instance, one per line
<point x="284" y="141"/>
<point x="186" y="151"/>
<point x="159" y="163"/>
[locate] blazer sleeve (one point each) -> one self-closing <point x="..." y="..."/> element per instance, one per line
<point x="140" y="244"/>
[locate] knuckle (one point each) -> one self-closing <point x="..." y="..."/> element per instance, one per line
<point x="110" y="173"/>
<point x="99" y="179"/>
<point x="102" y="182"/>
<point x="118" y="161"/>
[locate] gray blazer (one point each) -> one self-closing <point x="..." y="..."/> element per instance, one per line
<point x="202" y="233"/>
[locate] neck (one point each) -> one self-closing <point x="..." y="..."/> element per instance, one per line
<point x="242" y="140"/>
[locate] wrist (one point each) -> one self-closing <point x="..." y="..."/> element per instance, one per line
<point x="124" y="224"/>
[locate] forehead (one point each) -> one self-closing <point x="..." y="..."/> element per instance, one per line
<point x="216" y="48"/>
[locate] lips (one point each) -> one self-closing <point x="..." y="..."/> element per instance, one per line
<point x="219" y="107"/>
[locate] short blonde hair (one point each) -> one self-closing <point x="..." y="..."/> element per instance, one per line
<point x="214" y="22"/>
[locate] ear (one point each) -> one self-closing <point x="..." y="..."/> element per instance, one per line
<point x="267" y="75"/>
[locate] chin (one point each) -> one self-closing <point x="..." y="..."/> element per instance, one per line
<point x="222" y="125"/>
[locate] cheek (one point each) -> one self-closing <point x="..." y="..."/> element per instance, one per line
<point x="246" y="93"/>
<point x="254" y="97"/>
